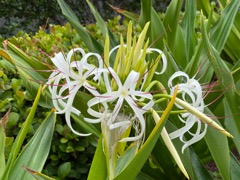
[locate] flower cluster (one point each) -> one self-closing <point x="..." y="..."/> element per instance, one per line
<point x="120" y="84"/>
<point x="120" y="88"/>
<point x="63" y="94"/>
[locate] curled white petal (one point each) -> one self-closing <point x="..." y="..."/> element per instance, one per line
<point x="191" y="92"/>
<point x="164" y="59"/>
<point x="73" y="75"/>
<point x="125" y="92"/>
<point x="68" y="121"/>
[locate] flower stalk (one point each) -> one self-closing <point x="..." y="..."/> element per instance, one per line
<point x="198" y="114"/>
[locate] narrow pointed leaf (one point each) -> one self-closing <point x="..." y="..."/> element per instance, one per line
<point x="223" y="26"/>
<point x="146" y="8"/>
<point x="30" y="77"/>
<point x="34" y="63"/>
<point x="102" y="25"/>
<point x="224" y="76"/>
<point x="231" y="125"/>
<point x="175" y="38"/>
<point x="218" y="145"/>
<point x="171" y="21"/>
<point x="21" y="136"/>
<point x="227" y="83"/>
<point x="89" y="41"/>
<point x="156" y="30"/>
<point x="130" y="15"/>
<point x="99" y="166"/>
<point x="2" y="148"/>
<point x="199" y="169"/>
<point x="3" y="123"/>
<point x="37" y="175"/>
<point x="126" y="158"/>
<point x="36" y="151"/>
<point x="188" y="26"/>
<point x="235" y="167"/>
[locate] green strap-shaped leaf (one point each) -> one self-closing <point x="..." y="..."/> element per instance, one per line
<point x="204" y="6"/>
<point x="236" y="74"/>
<point x="188" y="26"/>
<point x="21" y="136"/>
<point x="235" y="167"/>
<point x="99" y="166"/>
<point x="37" y="175"/>
<point x="133" y="168"/>
<point x="163" y="157"/>
<point x="230" y="124"/>
<point x="146" y="9"/>
<point x="226" y="82"/>
<point x="3" y="123"/>
<point x="130" y="15"/>
<point x="30" y="77"/>
<point x="231" y="47"/>
<point x="223" y="27"/>
<point x="171" y="21"/>
<point x="2" y="148"/>
<point x="175" y="38"/>
<point x="224" y="75"/>
<point x="199" y="170"/>
<point x="102" y="25"/>
<point x="156" y="30"/>
<point x="36" y="151"/>
<point x="89" y="41"/>
<point x="34" y="63"/>
<point x="126" y="158"/>
<point x="218" y="145"/>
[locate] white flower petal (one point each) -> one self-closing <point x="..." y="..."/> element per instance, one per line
<point x="119" y="124"/>
<point x="131" y="80"/>
<point x="68" y="120"/>
<point x="164" y="59"/>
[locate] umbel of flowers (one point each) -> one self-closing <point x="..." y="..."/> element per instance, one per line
<point x="120" y="84"/>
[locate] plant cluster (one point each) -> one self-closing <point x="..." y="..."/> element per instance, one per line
<point x="147" y="98"/>
<point x="67" y="150"/>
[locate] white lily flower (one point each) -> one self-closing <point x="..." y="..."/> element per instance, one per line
<point x="191" y="92"/>
<point x="63" y="94"/>
<point x="125" y="92"/>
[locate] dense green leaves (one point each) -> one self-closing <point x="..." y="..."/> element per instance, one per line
<point x="223" y="27"/>
<point x="102" y="26"/>
<point x="89" y="41"/>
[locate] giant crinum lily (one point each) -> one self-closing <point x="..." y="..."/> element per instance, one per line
<point x="121" y="99"/>
<point x="191" y="92"/>
<point x="68" y="77"/>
